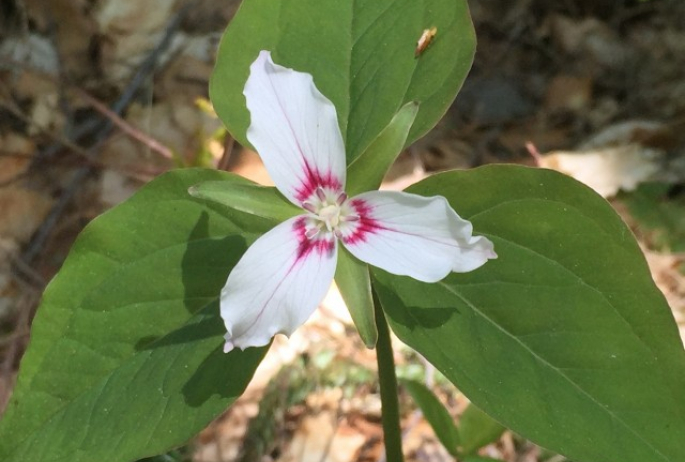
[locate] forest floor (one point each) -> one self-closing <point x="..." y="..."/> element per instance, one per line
<point x="97" y="97"/>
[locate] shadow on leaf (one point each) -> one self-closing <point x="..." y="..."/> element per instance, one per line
<point x="204" y="269"/>
<point x="411" y="316"/>
<point x="211" y="374"/>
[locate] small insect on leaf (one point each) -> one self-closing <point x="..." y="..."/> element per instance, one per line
<point x="426" y="38"/>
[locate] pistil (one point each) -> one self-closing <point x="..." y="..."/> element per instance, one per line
<point x="330" y="212"/>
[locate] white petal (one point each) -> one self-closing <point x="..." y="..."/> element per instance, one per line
<point x="295" y="130"/>
<point x="276" y="285"/>
<point x="411" y="235"/>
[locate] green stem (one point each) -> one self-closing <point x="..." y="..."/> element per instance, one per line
<point x="388" y="384"/>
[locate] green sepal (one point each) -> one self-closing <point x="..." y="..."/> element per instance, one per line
<point x="262" y="201"/>
<point x="353" y="281"/>
<point x="366" y="172"/>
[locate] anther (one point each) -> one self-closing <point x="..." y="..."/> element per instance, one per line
<point x="351" y="218"/>
<point x="320" y="193"/>
<point x="342" y="197"/>
<point x="308" y="206"/>
<point x="312" y="232"/>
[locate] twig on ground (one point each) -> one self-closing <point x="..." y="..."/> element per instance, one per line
<point x="145" y="69"/>
<point x="11" y="338"/>
<point x="100" y="107"/>
<point x="103" y="129"/>
<point x="16" y="111"/>
<point x="27" y="276"/>
<point x="12" y="107"/>
<point x="127" y="128"/>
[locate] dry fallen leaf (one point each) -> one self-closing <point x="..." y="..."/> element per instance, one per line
<point x="317" y="439"/>
<point x="666" y="272"/>
<point x="619" y="157"/>
<point x="8" y="290"/>
<point x="21" y="212"/>
<point x="130" y="30"/>
<point x="32" y="50"/>
<point x="590" y="39"/>
<point x="116" y="187"/>
<point x="607" y="170"/>
<point x="15" y="152"/>
<point x="72" y="27"/>
<point x="570" y="93"/>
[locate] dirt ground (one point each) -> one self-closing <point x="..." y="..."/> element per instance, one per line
<point x="99" y="96"/>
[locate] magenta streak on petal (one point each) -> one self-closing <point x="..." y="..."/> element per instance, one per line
<point x="365" y="225"/>
<point x="308" y="245"/>
<point x="305" y="247"/>
<point x="314" y="179"/>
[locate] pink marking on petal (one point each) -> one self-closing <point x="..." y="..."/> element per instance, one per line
<point x="308" y="245"/>
<point x="311" y="232"/>
<point x="314" y="179"/>
<point x="365" y="224"/>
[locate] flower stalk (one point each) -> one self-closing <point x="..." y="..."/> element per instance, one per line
<point x="387" y="379"/>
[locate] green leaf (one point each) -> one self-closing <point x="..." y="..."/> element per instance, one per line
<point x="366" y="172"/>
<point x="353" y="281"/>
<point x="564" y="339"/>
<point x="125" y="358"/>
<point x="361" y="54"/>
<point x="435" y="413"/>
<point x="248" y="197"/>
<point x="477" y="429"/>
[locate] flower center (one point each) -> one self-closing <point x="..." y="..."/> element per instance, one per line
<point x="330" y="213"/>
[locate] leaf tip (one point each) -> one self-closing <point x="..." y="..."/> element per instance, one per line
<point x="370" y="341"/>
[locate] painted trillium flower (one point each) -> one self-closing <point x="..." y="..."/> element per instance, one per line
<point x="284" y="275"/>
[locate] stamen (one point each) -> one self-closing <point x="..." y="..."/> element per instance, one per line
<point x="312" y="232"/>
<point x="308" y="206"/>
<point x="338" y="234"/>
<point x="320" y="193"/>
<point x="342" y="197"/>
<point x="351" y="218"/>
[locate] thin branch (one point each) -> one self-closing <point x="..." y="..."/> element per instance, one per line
<point x="100" y="107"/>
<point x="65" y="142"/>
<point x="127" y="128"/>
<point x="14" y="336"/>
<point x="143" y="175"/>
<point x="41" y="236"/>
